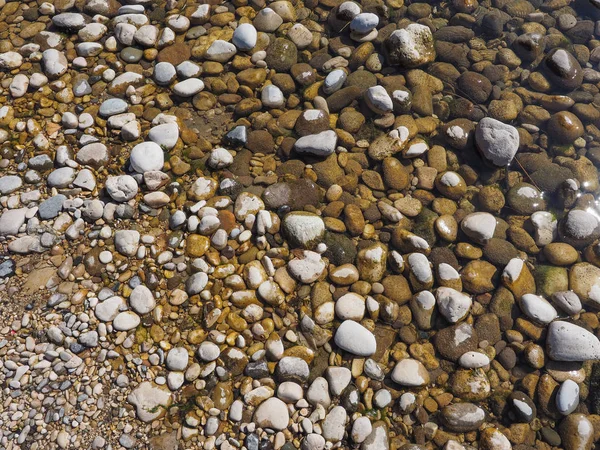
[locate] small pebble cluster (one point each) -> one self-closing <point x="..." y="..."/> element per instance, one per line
<point x="315" y="224"/>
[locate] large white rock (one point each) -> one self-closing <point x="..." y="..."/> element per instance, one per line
<point x="497" y="141"/>
<point x="10" y="60"/>
<point x="356" y="339"/>
<point x="55" y="63"/>
<point x="11" y="220"/>
<point x="126" y="321"/>
<point x="150" y="401"/>
<point x="146" y="35"/>
<point x="479" y="226"/>
<point x="320" y="144"/>
<point x="272" y="97"/>
<point x="538" y="308"/>
<point x="219" y="158"/>
<point x="121" y="188"/>
<point x="569" y="342"/>
<point x="334" y="81"/>
<point x="361" y="429"/>
<point x="69" y="20"/>
<point x="196" y="283"/>
<point x="363" y="23"/>
<point x="453" y="305"/>
<point x="410" y="372"/>
<point x="220" y="51"/>
<point x="142" y="300"/>
<point x="411" y="46"/>
<point x="350" y="306"/>
<point x="146" y="157"/>
<point x="244" y="37"/>
<point x="108" y="309"/>
<point x="189" y="87"/>
<point x="304" y="229"/>
<point x="272" y="413"/>
<point x="10" y="183"/>
<point x="177" y="359"/>
<point x="473" y="360"/>
<point x="165" y="135"/>
<point x="164" y="73"/>
<point x="308" y="267"/>
<point x="338" y="378"/>
<point x="127" y="241"/>
<point x="378" y="100"/>
<point x="334" y="425"/>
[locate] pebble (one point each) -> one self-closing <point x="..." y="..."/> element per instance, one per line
<point x="320" y="144"/>
<point x="356" y="339"/>
<point x="569" y="342"/>
<point x="410" y="372"/>
<point x="189" y="87"/>
<point x="499" y="142"/>
<point x="272" y="413"/>
<point x="245" y="37"/>
<point x="269" y="213"/>
<point x="146" y="157"/>
<point x="567" y="397"/>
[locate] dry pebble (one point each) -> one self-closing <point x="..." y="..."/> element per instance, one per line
<point x="299" y="225"/>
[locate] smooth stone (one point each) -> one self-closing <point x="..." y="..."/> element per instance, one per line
<point x="220" y="51"/>
<point x="479" y="226"/>
<point x="10" y="183"/>
<point x="538" y="308"/>
<point x="121" y="188"/>
<point x="363" y="23"/>
<point x="334" y="424"/>
<point x="11" y="221"/>
<point x="147" y="157"/>
<point x="165" y="135"/>
<point x="569" y="342"/>
<point x="126" y="321"/>
<point x="304" y="229"/>
<point x="61" y="178"/>
<point x="244" y="37"/>
<point x="272" y="413"/>
<point x="164" y="73"/>
<point x="356" y="339"/>
<point x="113" y="106"/>
<point x="151" y="401"/>
<point x="497" y="141"/>
<point x="361" y="429"/>
<point x="95" y="155"/>
<point x="55" y="63"/>
<point x="378" y="100"/>
<point x="463" y="417"/>
<point x="567" y="397"/>
<point x="188" y="87"/>
<point x="321" y="144"/>
<point x="473" y="360"/>
<point x="177" y="359"/>
<point x="307" y="267"/>
<point x="127" y="241"/>
<point x="334" y="81"/>
<point x="410" y="372"/>
<point x="378" y="439"/>
<point x="142" y="300"/>
<point x="567" y="301"/>
<point x="108" y="309"/>
<point x="49" y="209"/>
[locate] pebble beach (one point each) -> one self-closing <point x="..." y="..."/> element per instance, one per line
<point x="304" y="224"/>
